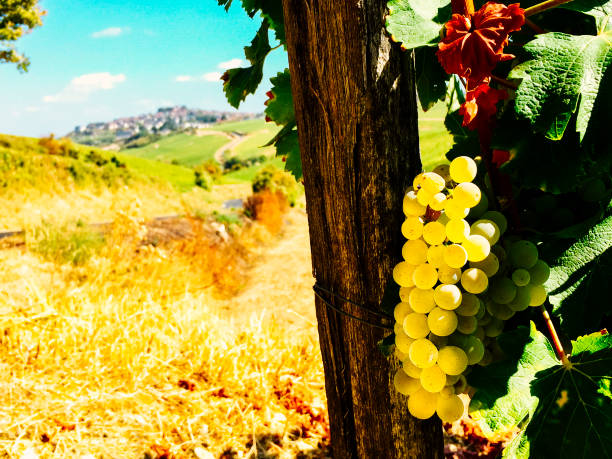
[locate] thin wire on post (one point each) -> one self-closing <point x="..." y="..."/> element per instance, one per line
<point x="318" y="290"/>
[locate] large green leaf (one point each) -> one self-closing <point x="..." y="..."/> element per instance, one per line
<point x="280" y="107"/>
<point x="562" y="79"/>
<point x="431" y="78"/>
<point x="272" y="10"/>
<point x="415" y="23"/>
<point x="563" y="411"/>
<point x="580" y="276"/>
<point x="242" y="81"/>
<point x="601" y="10"/>
<point x="287" y="146"/>
<point x="465" y="142"/>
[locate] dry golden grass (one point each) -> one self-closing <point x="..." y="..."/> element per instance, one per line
<point x="132" y="354"/>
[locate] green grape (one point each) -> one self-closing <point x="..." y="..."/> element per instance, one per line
<point x="463" y="169"/>
<point x="443" y="218"/>
<point x="422" y="300"/>
<point x="425" y="276"/>
<point x="467" y="324"/>
<point x="490" y="265"/>
<point x="452" y="360"/>
<point x="433" y="379"/>
<point x="486" y="359"/>
<point x="404" y="293"/>
<point x="500" y="253"/>
<point x="538" y="295"/>
<point x="498" y="218"/>
<point x="435" y="256"/>
<point x="415" y="253"/>
<point x="454" y="210"/>
<point x="397" y="328"/>
<point x="423" y="197"/>
<point x="415" y="325"/>
<point x="480" y="208"/>
<point x="448" y="275"/>
<point x="418" y="181"/>
<point x="474" y="349"/>
<point x="402" y="340"/>
<point x="400" y="355"/>
<point x="521" y="277"/>
<point x="474" y="280"/>
<point x="521" y="300"/>
<point x="412" y="228"/>
<point x="450" y="408"/>
<point x="423" y="353"/>
<point x="401" y="311"/>
<point x="438" y="201"/>
<point x="539" y="272"/>
<point x="410" y="368"/>
<point x="402" y="274"/>
<point x="523" y="254"/>
<point x="432" y="182"/>
<point x="479" y="333"/>
<point x="487" y="229"/>
<point x="467" y="194"/>
<point x="457" y="339"/>
<point x="457" y="230"/>
<point x="447" y="296"/>
<point x="500" y="311"/>
<point x="485" y="319"/>
<point x="443" y="170"/>
<point x="422" y="404"/>
<point x="455" y="256"/>
<point x="461" y="386"/>
<point x="477" y="247"/>
<point x="439" y="341"/>
<point x="434" y="233"/>
<point x="442" y="322"/>
<point x="449" y="389"/>
<point x="494" y="328"/>
<point x="404" y="384"/>
<point x="411" y="205"/>
<point x="470" y="304"/>
<point x="451" y="380"/>
<point x="502" y="290"/>
<point x="482" y="310"/>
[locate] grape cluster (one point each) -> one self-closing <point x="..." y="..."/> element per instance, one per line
<point x="458" y="284"/>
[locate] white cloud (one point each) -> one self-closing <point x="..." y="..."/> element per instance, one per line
<point x="212" y="76"/>
<point x="183" y="78"/>
<point x="82" y="86"/>
<point x="232" y="63"/>
<point x="110" y="32"/>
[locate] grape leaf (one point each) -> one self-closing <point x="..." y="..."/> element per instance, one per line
<point x="239" y="82"/>
<point x="465" y="142"/>
<point x="287" y="145"/>
<point x="579" y="281"/>
<point x="562" y="78"/>
<point x="430" y="78"/>
<point x="562" y="411"/>
<point x="601" y="10"/>
<point x="272" y="10"/>
<point x="280" y="108"/>
<point x="416" y="23"/>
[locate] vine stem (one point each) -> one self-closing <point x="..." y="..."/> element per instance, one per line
<point x="463" y="7"/>
<point x="555" y="338"/>
<point x="548" y="4"/>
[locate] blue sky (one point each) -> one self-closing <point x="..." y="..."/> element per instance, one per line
<point x="98" y="60"/>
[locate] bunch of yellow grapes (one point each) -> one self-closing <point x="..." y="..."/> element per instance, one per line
<point x="458" y="284"/>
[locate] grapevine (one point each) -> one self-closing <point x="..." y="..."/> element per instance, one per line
<point x="508" y="249"/>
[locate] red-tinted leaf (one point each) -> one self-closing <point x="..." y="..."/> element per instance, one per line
<point x="480" y="106"/>
<point x="474" y="45"/>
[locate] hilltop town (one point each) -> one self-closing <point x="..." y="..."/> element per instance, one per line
<point x="127" y="130"/>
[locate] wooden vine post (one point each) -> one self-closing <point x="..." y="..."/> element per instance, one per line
<point x="355" y="103"/>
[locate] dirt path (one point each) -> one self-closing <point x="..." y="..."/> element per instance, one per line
<point x="236" y="140"/>
<point x="280" y="282"/>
